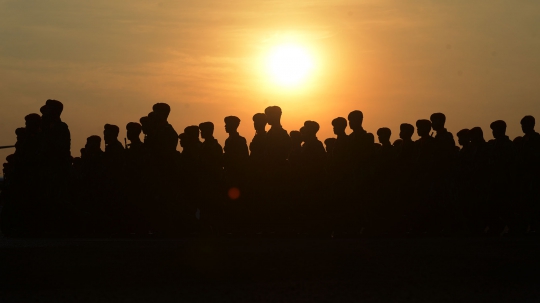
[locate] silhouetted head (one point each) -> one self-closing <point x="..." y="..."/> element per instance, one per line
<point x="273" y="115"/>
<point x="133" y="131"/>
<point x="148" y="123"/>
<point x="339" y="124"/>
<point x="183" y="140"/>
<point x="302" y="131"/>
<point x="161" y="111"/>
<point x="93" y="143"/>
<point x="52" y="109"/>
<point x="329" y="144"/>
<point x="437" y="121"/>
<point x="231" y="124"/>
<point x="423" y="127"/>
<point x="476" y="135"/>
<point x="310" y="129"/>
<point x="191" y="133"/>
<point x="463" y="137"/>
<point x="527" y="124"/>
<point x="398" y="143"/>
<point x="498" y="128"/>
<point x="33" y="122"/>
<point x="406" y="131"/>
<point x="144" y="124"/>
<point x="384" y="134"/>
<point x="259" y="122"/>
<point x="207" y="130"/>
<point x="356" y="118"/>
<point x="517" y="140"/>
<point x="20" y="133"/>
<point x="296" y="138"/>
<point x="11" y="158"/>
<point x="110" y="133"/>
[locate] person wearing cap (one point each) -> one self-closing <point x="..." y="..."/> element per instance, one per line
<point x="166" y="138"/>
<point x="501" y="161"/>
<point x="236" y="152"/>
<point x="55" y="137"/>
<point x="211" y="153"/>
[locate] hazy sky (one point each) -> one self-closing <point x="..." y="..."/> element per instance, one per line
<point x="397" y="61"/>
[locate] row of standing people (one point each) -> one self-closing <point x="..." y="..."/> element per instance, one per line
<point x="280" y="181"/>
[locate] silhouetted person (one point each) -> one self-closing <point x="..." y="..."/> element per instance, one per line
<point x="147" y="127"/>
<point x="55" y="138"/>
<point x="476" y="136"/>
<point x="211" y="152"/>
<point x="361" y="142"/>
<point x="165" y="135"/>
<point x="92" y="157"/>
<point x="133" y="134"/>
<point x="329" y="144"/>
<point x="296" y="147"/>
<point x="236" y="151"/>
<point x="385" y="154"/>
<point x="114" y="150"/>
<point x="528" y="175"/>
<point x="501" y="160"/>
<point x="190" y="143"/>
<point x="444" y="156"/>
<point x="31" y="139"/>
<point x="258" y="144"/>
<point x="278" y="142"/>
<point x="341" y="150"/>
<point x="463" y="138"/>
<point x="464" y="154"/>
<point x="210" y="173"/>
<point x="384" y="137"/>
<point x="472" y="184"/>
<point x="407" y="148"/>
<point x="425" y="144"/>
<point x="479" y="149"/>
<point x="529" y="147"/>
<point x="313" y="153"/>
<point x="445" y="146"/>
<point x="501" y="142"/>
<point x="93" y="147"/>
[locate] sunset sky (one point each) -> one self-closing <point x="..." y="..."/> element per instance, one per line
<point x="397" y="61"/>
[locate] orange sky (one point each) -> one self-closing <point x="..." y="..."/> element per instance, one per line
<point x="397" y="61"/>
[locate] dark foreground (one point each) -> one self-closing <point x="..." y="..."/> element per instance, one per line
<point x="271" y="270"/>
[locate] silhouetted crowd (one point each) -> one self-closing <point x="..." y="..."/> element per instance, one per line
<point x="280" y="183"/>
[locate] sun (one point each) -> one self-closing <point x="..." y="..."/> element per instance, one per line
<point x="289" y="65"/>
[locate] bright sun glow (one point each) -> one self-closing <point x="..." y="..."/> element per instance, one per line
<point x="289" y="65"/>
